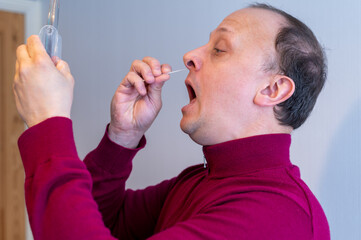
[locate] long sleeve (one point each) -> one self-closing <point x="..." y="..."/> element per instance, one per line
<point x="128" y="214"/>
<point x="58" y="188"/>
<point x="58" y="185"/>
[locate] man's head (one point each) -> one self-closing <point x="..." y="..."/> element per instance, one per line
<point x="260" y="73"/>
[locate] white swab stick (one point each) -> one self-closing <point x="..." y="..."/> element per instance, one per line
<point x="179" y="70"/>
<point x="175" y="71"/>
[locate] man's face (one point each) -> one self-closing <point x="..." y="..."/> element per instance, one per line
<point x="225" y="74"/>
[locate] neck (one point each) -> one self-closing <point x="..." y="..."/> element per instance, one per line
<point x="260" y="125"/>
<point x="257" y="129"/>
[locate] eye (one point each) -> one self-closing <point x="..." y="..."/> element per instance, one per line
<point x="217" y="51"/>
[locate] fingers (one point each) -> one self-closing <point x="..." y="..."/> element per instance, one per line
<point x="33" y="50"/>
<point x="148" y="70"/>
<point x="154" y="65"/>
<point x="17" y="72"/>
<point x="144" y="70"/>
<point x="35" y="47"/>
<point x="162" y="78"/>
<point x="63" y="67"/>
<point x="166" y="68"/>
<point x="132" y="79"/>
<point x="22" y="54"/>
<point x="17" y="69"/>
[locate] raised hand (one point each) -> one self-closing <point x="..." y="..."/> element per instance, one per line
<point x="43" y="87"/>
<point x="137" y="101"/>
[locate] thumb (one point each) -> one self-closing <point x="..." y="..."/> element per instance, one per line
<point x="155" y="89"/>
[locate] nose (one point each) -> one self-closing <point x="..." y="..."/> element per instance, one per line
<point x="192" y="60"/>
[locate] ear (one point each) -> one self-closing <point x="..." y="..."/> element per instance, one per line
<point x="276" y="91"/>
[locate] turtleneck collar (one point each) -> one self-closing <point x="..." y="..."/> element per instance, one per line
<point x="247" y="155"/>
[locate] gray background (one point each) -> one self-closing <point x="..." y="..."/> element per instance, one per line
<point x="102" y="38"/>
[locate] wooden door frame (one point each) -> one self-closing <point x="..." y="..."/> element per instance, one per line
<point x="33" y="17"/>
<point x="32" y="10"/>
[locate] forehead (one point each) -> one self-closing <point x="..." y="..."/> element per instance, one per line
<point x="253" y="24"/>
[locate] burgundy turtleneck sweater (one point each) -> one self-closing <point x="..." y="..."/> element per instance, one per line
<point x="249" y="190"/>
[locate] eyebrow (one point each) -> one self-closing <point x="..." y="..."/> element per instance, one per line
<point x="222" y="29"/>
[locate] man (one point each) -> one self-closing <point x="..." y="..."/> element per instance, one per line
<point x="255" y="81"/>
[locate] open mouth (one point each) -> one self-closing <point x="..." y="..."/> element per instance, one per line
<point x="191" y="92"/>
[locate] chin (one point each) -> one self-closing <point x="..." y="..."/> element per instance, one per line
<point x="188" y="128"/>
<point x="184" y="126"/>
<point x="194" y="132"/>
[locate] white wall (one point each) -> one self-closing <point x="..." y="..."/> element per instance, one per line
<point x="102" y="38"/>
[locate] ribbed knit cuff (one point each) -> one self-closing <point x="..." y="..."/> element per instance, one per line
<point x="50" y="138"/>
<point x="112" y="157"/>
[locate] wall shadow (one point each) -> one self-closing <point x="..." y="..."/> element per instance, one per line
<point x="340" y="189"/>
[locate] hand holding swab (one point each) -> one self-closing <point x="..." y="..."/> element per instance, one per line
<point x="172" y="72"/>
